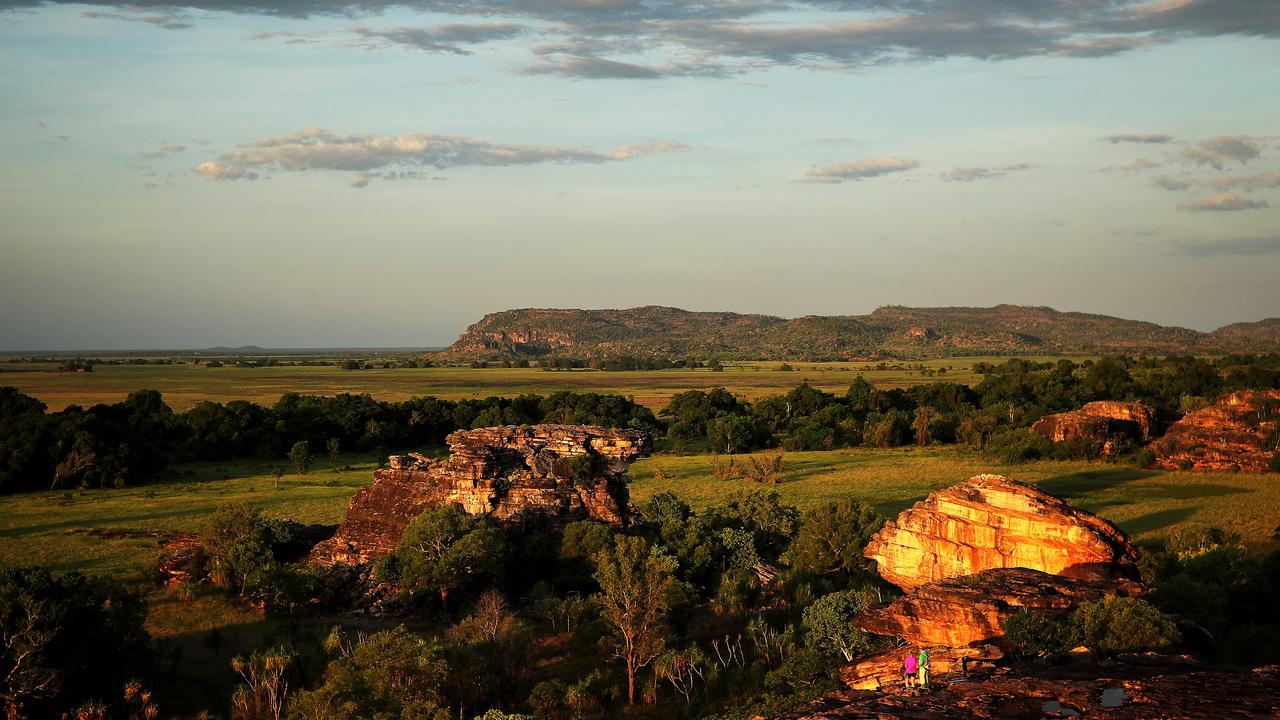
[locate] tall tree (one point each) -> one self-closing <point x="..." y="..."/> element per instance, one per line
<point x="634" y="583"/>
<point x="446" y="549"/>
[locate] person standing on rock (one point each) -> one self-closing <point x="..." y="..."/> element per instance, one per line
<point x="923" y="664"/>
<point x="909" y="669"/>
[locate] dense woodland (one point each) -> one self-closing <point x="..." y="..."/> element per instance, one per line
<point x="128" y="442"/>
<point x="737" y="610"/>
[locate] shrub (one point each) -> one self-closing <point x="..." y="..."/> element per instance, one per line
<point x="1031" y="634"/>
<point x="1199" y="539"/>
<point x="1115" y="624"/>
<point x="1144" y="458"/>
<point x="1274" y="463"/>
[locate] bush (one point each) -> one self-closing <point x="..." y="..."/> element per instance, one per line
<point x="1144" y="458"/>
<point x="1031" y="634"/>
<point x="1199" y="539"/>
<point x="1115" y="624"/>
<point x="1274" y="463"/>
<point x="239" y="542"/>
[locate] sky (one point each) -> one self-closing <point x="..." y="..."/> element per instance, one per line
<point x="327" y="173"/>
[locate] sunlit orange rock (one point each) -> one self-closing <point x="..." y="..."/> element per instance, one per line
<point x="1240" y="431"/>
<point x="991" y="521"/>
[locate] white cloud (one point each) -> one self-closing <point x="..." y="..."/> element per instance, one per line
<point x="1224" y="202"/>
<point x="319" y="149"/>
<point x="862" y="169"/>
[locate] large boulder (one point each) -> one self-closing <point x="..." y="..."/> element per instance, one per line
<point x="1107" y="425"/>
<point x="991" y="521"/>
<point x="1238" y="432"/>
<point x="968" y="610"/>
<point x="508" y="474"/>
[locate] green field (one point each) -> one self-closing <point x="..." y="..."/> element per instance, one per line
<point x="186" y="385"/>
<point x="51" y="527"/>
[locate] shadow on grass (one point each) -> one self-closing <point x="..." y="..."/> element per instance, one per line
<point x="890" y="508"/>
<point x="1158" y="520"/>
<point x="1086" y="481"/>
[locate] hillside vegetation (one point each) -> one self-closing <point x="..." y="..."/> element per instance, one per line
<point x="893" y="332"/>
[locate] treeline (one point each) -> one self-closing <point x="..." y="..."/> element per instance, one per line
<point x="992" y="415"/>
<point x="127" y="442"/>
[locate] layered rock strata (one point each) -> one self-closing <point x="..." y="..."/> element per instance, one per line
<point x="508" y="474"/>
<point x="1240" y="431"/>
<point x="1109" y="426"/>
<point x="884" y="669"/>
<point x="960" y="611"/>
<point x="991" y="521"/>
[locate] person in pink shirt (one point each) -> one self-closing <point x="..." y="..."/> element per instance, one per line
<point x="909" y="668"/>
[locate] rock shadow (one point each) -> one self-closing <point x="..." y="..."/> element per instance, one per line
<point x="1081" y="483"/>
<point x="1157" y="520"/>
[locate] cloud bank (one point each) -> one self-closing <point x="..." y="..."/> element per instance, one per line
<point x="1223" y="202"/>
<point x="317" y="149"/>
<point x="971" y="173"/>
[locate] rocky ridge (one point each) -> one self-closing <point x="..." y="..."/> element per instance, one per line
<point x="508" y="474"/>
<point x="1240" y="431"/>
<point x="1108" y="425"/>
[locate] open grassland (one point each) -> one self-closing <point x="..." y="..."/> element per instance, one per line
<point x="186" y="385"/>
<point x="52" y="527"/>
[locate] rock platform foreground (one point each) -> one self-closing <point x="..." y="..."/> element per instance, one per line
<point x="509" y="474"/>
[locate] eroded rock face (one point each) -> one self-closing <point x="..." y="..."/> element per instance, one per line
<point x="971" y="609"/>
<point x="1236" y="432"/>
<point x="991" y="521"/>
<point x="561" y="472"/>
<point x="1108" y="425"/>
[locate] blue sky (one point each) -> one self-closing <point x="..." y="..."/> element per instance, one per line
<point x="419" y="164"/>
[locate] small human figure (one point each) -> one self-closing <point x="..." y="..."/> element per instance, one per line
<point x="910" y="666"/>
<point x="923" y="664"/>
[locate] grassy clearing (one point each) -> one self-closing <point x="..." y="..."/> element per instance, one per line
<point x="186" y="385"/>
<point x="1147" y="504"/>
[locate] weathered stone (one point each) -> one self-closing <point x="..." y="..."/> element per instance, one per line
<point x="1238" y="432"/>
<point x="971" y="609"/>
<point x="991" y="521"/>
<point x="884" y="669"/>
<point x="560" y="472"/>
<point x="1160" y="688"/>
<point x="1107" y="425"/>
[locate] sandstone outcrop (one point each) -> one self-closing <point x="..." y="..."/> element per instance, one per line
<point x="991" y="521"/>
<point x="1105" y="424"/>
<point x="960" y="611"/>
<point x="1238" y="432"/>
<point x="508" y="474"/>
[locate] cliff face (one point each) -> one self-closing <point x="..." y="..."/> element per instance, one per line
<point x="1107" y="424"/>
<point x="991" y="521"/>
<point x="561" y="472"/>
<point x="1239" y="431"/>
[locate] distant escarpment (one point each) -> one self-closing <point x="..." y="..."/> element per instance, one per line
<point x="890" y="332"/>
<point x="508" y="474"/>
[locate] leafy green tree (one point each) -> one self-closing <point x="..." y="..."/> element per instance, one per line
<point x="1114" y="624"/>
<point x="300" y="455"/>
<point x="65" y="639"/>
<point x="761" y="513"/>
<point x="828" y="623"/>
<point x="1033" y="634"/>
<point x="334" y="446"/>
<point x="634" y="584"/>
<point x="446" y="549"/>
<point x="737" y="433"/>
<point x="390" y="675"/>
<point x="239" y="543"/>
<point x="831" y="539"/>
